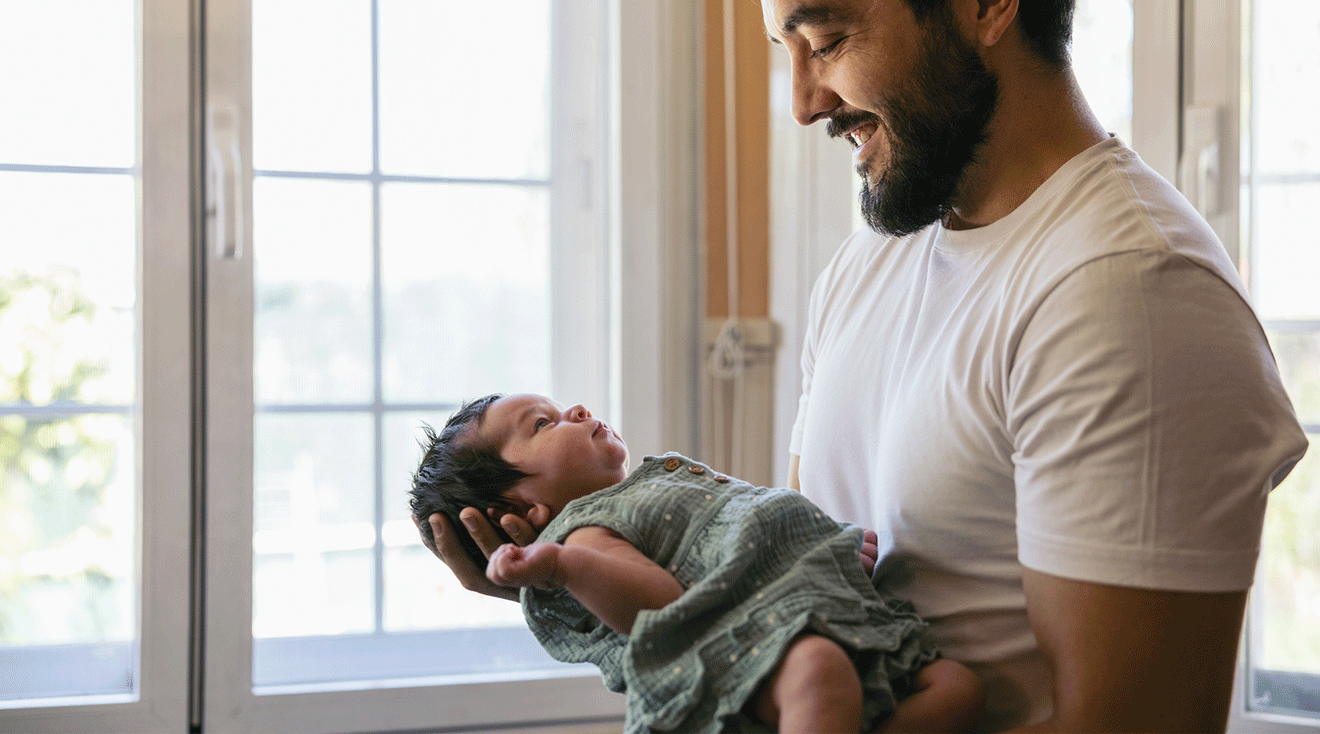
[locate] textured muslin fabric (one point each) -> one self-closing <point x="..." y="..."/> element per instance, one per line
<point x="759" y="567"/>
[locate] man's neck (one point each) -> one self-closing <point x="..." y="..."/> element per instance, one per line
<point x="1042" y="122"/>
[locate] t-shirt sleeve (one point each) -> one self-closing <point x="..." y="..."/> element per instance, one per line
<point x="1149" y="424"/>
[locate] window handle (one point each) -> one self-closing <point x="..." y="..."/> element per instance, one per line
<point x="1198" y="172"/>
<point x="225" y="183"/>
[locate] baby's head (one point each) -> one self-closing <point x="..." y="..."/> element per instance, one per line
<point x="518" y="454"/>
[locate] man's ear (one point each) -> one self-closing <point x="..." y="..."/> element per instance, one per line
<point x="994" y="20"/>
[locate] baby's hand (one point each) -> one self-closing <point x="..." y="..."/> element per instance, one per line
<point x="870" y="552"/>
<point x="534" y="565"/>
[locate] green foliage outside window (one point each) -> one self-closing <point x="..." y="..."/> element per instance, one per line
<point x="62" y="559"/>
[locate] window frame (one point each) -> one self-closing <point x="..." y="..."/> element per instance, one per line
<point x="633" y="103"/>
<point x="164" y="410"/>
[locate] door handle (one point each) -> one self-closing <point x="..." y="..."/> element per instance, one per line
<point x="1199" y="170"/>
<point x="225" y="194"/>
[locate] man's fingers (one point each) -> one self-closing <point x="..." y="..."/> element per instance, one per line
<point x="481" y="530"/>
<point x="518" y="529"/>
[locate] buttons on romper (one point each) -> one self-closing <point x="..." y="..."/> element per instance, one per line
<point x="697" y="469"/>
<point x="673" y="463"/>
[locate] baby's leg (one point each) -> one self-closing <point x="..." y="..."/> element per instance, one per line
<point x="946" y="697"/>
<point x="814" y="689"/>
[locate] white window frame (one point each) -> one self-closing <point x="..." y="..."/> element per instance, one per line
<point x="161" y="697"/>
<point x="642" y="245"/>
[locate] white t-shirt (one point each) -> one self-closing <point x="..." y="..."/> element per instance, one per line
<point x="1080" y="388"/>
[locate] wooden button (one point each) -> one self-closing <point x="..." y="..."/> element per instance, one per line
<point x="672" y="463"/>
<point x="697" y="469"/>
<point x="721" y="478"/>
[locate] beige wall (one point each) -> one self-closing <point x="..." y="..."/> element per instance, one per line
<point x="752" y="111"/>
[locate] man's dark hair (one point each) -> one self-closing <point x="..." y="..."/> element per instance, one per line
<point x="1047" y="24"/>
<point x="457" y="471"/>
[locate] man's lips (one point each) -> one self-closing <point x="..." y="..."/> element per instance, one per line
<point x="855" y="126"/>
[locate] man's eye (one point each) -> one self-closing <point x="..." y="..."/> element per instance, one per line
<point x="826" y="49"/>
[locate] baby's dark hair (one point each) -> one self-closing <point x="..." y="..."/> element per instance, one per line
<point x="457" y="471"/>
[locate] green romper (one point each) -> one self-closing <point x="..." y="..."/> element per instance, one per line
<point x="759" y="567"/>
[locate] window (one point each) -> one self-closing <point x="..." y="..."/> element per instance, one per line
<point x="237" y="307"/>
<point x="1280" y="187"/>
<point x="96" y="358"/>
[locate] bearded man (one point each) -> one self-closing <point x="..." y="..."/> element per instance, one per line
<point x="1037" y="376"/>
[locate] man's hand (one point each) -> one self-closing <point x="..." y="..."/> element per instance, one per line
<point x="535" y="565"/>
<point x="449" y="549"/>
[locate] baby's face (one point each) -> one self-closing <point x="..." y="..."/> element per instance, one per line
<point x="567" y="452"/>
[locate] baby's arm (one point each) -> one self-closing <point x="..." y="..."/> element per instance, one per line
<point x="601" y="569"/>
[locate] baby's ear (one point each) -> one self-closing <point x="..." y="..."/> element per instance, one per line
<point x="535" y="514"/>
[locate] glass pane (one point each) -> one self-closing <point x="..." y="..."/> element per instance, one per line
<point x="313" y="278"/>
<point x="1284" y="249"/>
<point x="473" y="106"/>
<point x="311" y="85"/>
<point x="1298" y="356"/>
<point x="1102" y="61"/>
<point x="420" y="593"/>
<point x="1286" y="61"/>
<point x="466" y="282"/>
<point x="69" y="574"/>
<point x="315" y="525"/>
<point x="1285" y="656"/>
<point x="70" y="68"/>
<point x="1283" y="190"/>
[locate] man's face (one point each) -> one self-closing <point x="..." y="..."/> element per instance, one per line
<point x="567" y="452"/>
<point x="913" y="98"/>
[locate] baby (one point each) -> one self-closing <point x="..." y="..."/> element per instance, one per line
<point x="716" y="605"/>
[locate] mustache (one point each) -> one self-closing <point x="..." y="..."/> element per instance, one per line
<point x="849" y="119"/>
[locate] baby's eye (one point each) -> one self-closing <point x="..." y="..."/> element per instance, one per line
<point x="542" y="423"/>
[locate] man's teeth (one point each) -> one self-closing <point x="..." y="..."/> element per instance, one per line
<point x="859" y="137"/>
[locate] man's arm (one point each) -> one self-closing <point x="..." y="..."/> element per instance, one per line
<point x="793" y="481"/>
<point x="601" y="569"/>
<point x="1126" y="659"/>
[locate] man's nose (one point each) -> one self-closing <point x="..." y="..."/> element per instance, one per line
<point x="812" y="100"/>
<point x="578" y="413"/>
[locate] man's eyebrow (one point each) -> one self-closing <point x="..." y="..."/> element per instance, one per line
<point x="809" y="15"/>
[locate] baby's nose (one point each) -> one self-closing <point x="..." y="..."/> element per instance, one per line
<point x="579" y="413"/>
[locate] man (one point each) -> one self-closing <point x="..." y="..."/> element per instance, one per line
<point x="1038" y="378"/>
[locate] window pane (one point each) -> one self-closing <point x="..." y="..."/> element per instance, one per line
<point x="1282" y="191"/>
<point x="1102" y="60"/>
<point x="70" y="70"/>
<point x="1298" y="357"/>
<point x="1285" y="61"/>
<point x="311" y="85"/>
<point x="466" y="279"/>
<point x="1285" y="655"/>
<point x="69" y="547"/>
<point x="315" y="529"/>
<point x="473" y="105"/>
<point x="1284" y="250"/>
<point x="312" y="258"/>
<point x="421" y="594"/>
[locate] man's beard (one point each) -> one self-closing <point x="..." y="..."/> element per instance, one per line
<point x="933" y="127"/>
